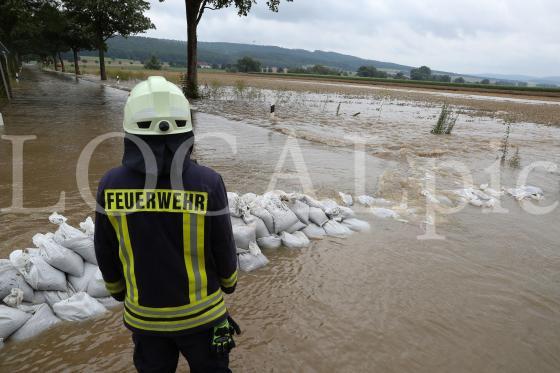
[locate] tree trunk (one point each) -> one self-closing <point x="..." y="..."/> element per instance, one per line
<point x="54" y="61"/>
<point x="190" y="87"/>
<point x="61" y="63"/>
<point x="76" y="61"/>
<point x="100" y="47"/>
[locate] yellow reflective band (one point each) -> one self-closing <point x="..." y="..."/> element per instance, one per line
<point x="125" y="254"/>
<point x="130" y="256"/>
<point x="168" y="312"/>
<point x="155" y="200"/>
<point x="176" y="325"/>
<point x="229" y="282"/>
<point x="115" y="287"/>
<point x="203" y="293"/>
<point x="187" y="254"/>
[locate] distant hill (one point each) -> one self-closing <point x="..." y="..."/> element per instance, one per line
<point x="525" y="78"/>
<point x="175" y="51"/>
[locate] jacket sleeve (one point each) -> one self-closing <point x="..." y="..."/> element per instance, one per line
<point x="107" y="251"/>
<point x="221" y="238"/>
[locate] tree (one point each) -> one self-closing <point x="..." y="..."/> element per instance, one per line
<point x="109" y="18"/>
<point x="485" y="81"/>
<point x="371" y="72"/>
<point x="248" y="65"/>
<point x="77" y="37"/>
<point x="400" y="75"/>
<point x="152" y="64"/>
<point x="459" y="80"/>
<point x="421" y="73"/>
<point x="195" y="10"/>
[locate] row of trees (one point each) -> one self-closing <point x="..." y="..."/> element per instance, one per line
<point x="47" y="28"/>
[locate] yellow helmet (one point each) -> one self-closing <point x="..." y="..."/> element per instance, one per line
<point x="157" y="107"/>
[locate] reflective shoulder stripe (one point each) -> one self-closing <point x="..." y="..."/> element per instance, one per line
<point x="171" y="312"/>
<point x="229" y="282"/>
<point x="115" y="287"/>
<point x="176" y="325"/>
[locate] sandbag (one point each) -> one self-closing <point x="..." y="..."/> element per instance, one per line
<point x="311" y="202"/>
<point x="109" y="302"/>
<point x="314" y="232"/>
<point x="328" y="204"/>
<point x="296" y="227"/>
<point x="73" y="238"/>
<point x="526" y="192"/>
<point x="270" y="242"/>
<point x="263" y="214"/>
<point x="335" y="229"/>
<point x="292" y="241"/>
<point x="249" y="262"/>
<point x="10" y="278"/>
<point x="356" y="225"/>
<point x="260" y="227"/>
<point x="51" y="297"/>
<point x="317" y="216"/>
<point x="301" y="210"/>
<point x="42" y="319"/>
<point x="233" y="204"/>
<point x="252" y="259"/>
<point x="14" y="299"/>
<point x="96" y="287"/>
<point x="283" y="217"/>
<point x="304" y="240"/>
<point x="37" y="272"/>
<point x="243" y="235"/>
<point x="78" y="307"/>
<point x="88" y="227"/>
<point x="384" y="213"/>
<point x="346" y="199"/>
<point x="11" y="319"/>
<point x="81" y="283"/>
<point x="236" y="221"/>
<point x="58" y="256"/>
<point x="367" y="201"/>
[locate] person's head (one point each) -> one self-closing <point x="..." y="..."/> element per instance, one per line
<point x="157" y="119"/>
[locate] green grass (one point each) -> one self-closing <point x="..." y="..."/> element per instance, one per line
<point x="417" y="83"/>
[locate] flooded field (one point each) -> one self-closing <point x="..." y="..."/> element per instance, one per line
<point x="487" y="298"/>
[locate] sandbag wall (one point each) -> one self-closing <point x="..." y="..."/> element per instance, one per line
<point x="57" y="280"/>
<point x="291" y="220"/>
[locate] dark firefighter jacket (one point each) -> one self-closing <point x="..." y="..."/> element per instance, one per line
<point x="168" y="252"/>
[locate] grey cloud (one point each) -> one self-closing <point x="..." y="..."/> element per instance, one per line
<point x="508" y="36"/>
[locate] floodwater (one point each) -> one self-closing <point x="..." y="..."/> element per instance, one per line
<point x="485" y="299"/>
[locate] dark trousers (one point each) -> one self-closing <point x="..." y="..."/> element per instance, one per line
<point x="161" y="354"/>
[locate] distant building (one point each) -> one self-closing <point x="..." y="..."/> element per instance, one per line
<point x="285" y="70"/>
<point x="204" y="65"/>
<point x="274" y="70"/>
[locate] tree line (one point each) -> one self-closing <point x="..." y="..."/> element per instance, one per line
<point x="47" y="28"/>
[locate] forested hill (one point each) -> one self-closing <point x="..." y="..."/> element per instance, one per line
<point x="141" y="48"/>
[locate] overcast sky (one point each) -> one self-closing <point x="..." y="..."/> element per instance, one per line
<point x="465" y="36"/>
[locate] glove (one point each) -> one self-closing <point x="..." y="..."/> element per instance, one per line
<point x="222" y="337"/>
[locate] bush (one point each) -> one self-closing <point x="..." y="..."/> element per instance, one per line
<point x="370" y="72"/>
<point x="248" y="65"/>
<point x="152" y="64"/>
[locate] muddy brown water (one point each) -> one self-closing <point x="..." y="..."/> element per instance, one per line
<point x="486" y="299"/>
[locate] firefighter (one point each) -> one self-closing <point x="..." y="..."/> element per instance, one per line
<point x="163" y="238"/>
